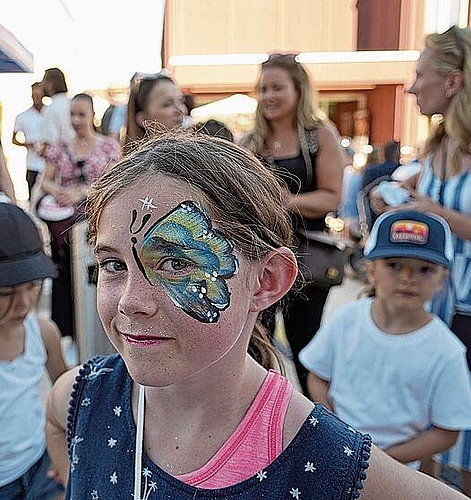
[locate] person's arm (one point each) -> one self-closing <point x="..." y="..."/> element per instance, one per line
<point x="36" y="146"/>
<point x="52" y="341"/>
<point x="388" y="479"/>
<point x="426" y="444"/>
<point x="459" y="222"/>
<point x="56" y="424"/>
<point x="318" y="390"/>
<point x="330" y="162"/>
<point x="63" y="195"/>
<point x="48" y="183"/>
<point x="16" y="142"/>
<point x="6" y="184"/>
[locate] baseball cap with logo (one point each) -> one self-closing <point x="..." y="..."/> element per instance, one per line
<point x="22" y="258"/>
<point x="411" y="234"/>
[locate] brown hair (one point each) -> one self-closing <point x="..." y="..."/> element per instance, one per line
<point x="141" y="87"/>
<point x="57" y="78"/>
<point x="243" y="196"/>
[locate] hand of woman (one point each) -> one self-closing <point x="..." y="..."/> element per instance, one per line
<point x="377" y="203"/>
<point x="69" y="196"/>
<point x="421" y="203"/>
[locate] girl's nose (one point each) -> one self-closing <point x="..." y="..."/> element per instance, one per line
<point x="138" y="298"/>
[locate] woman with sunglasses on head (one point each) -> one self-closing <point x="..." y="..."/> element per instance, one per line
<point x="443" y="87"/>
<point x="155" y="102"/>
<point x="290" y="133"/>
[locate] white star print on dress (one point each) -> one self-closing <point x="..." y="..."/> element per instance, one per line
<point x="294" y="492"/>
<point x="347" y="451"/>
<point x="309" y="467"/>
<point x="262" y="475"/>
<point x="86" y="402"/>
<point x="94" y="495"/>
<point x="313" y="421"/>
<point x="114" y="478"/>
<point x="112" y="442"/>
<point x="94" y="372"/>
<point x="117" y="410"/>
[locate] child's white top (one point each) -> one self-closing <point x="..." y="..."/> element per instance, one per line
<point x="391" y="386"/>
<point x="22" y="413"/>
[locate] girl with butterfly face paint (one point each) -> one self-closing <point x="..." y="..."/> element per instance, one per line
<point x="191" y="244"/>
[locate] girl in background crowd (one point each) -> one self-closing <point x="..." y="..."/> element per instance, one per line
<point x="28" y="345"/>
<point x="188" y="259"/>
<point x="70" y="170"/>
<point x="155" y="102"/>
<point x="290" y="133"/>
<point x="443" y="86"/>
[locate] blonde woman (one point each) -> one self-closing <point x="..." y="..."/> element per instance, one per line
<point x="290" y="133"/>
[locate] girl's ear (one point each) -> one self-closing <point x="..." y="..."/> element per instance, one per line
<point x="275" y="277"/>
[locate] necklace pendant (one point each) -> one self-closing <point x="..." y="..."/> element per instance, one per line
<point x="277" y="145"/>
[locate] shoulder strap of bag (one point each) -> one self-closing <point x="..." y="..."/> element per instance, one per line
<point x="309" y="147"/>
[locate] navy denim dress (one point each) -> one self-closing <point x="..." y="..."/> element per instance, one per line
<point x="326" y="460"/>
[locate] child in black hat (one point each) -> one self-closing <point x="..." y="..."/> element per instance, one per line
<point x="386" y="365"/>
<point x="27" y="345"/>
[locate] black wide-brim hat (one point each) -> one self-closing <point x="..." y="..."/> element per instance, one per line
<point x="22" y="258"/>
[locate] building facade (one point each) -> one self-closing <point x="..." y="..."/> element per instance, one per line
<point x="361" y="53"/>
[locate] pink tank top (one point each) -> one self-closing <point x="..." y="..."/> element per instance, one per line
<point x="256" y="443"/>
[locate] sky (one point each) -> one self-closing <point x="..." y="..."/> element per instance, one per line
<point x="96" y="43"/>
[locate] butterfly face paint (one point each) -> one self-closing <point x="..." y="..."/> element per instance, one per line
<point x="189" y="259"/>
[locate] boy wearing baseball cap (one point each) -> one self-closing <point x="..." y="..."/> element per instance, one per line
<point x="28" y="345"/>
<point x="386" y="365"/>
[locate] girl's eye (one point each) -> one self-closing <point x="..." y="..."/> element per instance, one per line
<point x="6" y="292"/>
<point x="111" y="266"/>
<point x="394" y="265"/>
<point x="173" y="265"/>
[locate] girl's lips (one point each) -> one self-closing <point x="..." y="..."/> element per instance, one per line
<point x="145" y="340"/>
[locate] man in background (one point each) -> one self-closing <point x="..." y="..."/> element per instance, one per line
<point x="28" y="132"/>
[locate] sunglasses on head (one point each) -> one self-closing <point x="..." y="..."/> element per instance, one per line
<point x="138" y="77"/>
<point x="289" y="58"/>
